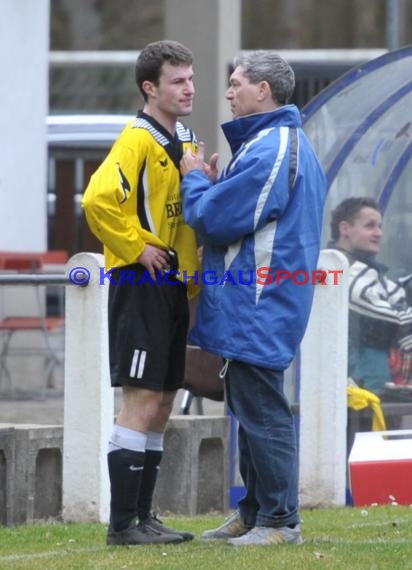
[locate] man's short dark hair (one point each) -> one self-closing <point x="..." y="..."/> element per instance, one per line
<point x="347" y="211"/>
<point x="153" y="56"/>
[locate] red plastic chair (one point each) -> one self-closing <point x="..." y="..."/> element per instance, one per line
<point x="35" y="322"/>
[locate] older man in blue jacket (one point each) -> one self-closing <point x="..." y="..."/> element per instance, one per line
<point x="260" y="222"/>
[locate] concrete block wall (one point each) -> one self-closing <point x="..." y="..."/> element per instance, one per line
<point x="6" y="473"/>
<point x="193" y="479"/>
<point x="30" y="472"/>
<point x="38" y="473"/>
<point x="194" y="473"/>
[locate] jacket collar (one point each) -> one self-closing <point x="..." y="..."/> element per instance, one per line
<point x="241" y="129"/>
<point x="366" y="258"/>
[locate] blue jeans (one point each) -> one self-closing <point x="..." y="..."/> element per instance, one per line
<point x="267" y="445"/>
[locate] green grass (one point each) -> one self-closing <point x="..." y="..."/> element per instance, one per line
<point x="347" y="538"/>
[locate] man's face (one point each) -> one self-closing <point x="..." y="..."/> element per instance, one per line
<point x="242" y="95"/>
<point x="173" y="96"/>
<point x="364" y="234"/>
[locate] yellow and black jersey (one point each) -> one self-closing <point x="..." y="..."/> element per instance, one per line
<point x="134" y="198"/>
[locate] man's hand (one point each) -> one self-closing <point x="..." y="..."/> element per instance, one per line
<point x="211" y="168"/>
<point x="191" y="161"/>
<point x="154" y="259"/>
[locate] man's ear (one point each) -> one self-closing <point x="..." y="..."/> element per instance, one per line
<point x="265" y="91"/>
<point x="344" y="228"/>
<point x="149" y="88"/>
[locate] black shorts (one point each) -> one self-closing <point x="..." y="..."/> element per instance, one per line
<point x="148" y="325"/>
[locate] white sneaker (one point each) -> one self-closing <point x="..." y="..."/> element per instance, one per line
<point x="266" y="536"/>
<point x="232" y="527"/>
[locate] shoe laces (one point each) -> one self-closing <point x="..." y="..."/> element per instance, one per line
<point x="234" y="517"/>
<point x="272" y="535"/>
<point x="153" y="516"/>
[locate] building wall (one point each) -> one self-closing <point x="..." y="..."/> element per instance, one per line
<point x="212" y="30"/>
<point x="24" y="40"/>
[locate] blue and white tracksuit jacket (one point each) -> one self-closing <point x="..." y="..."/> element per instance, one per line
<point x="260" y="222"/>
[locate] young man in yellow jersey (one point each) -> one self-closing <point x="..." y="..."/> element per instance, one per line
<point x="133" y="205"/>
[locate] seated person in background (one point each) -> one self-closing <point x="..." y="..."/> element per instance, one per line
<point x="379" y="315"/>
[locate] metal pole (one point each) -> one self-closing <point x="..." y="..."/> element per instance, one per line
<point x="43" y="279"/>
<point x="33" y="279"/>
<point x="392" y="24"/>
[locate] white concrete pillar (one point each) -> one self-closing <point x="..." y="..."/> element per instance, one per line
<point x="88" y="398"/>
<point x="323" y="381"/>
<point x="212" y="30"/>
<point x="24" y="44"/>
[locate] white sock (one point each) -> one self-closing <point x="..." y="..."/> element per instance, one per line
<point x="127" y="438"/>
<point x="154" y="441"/>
